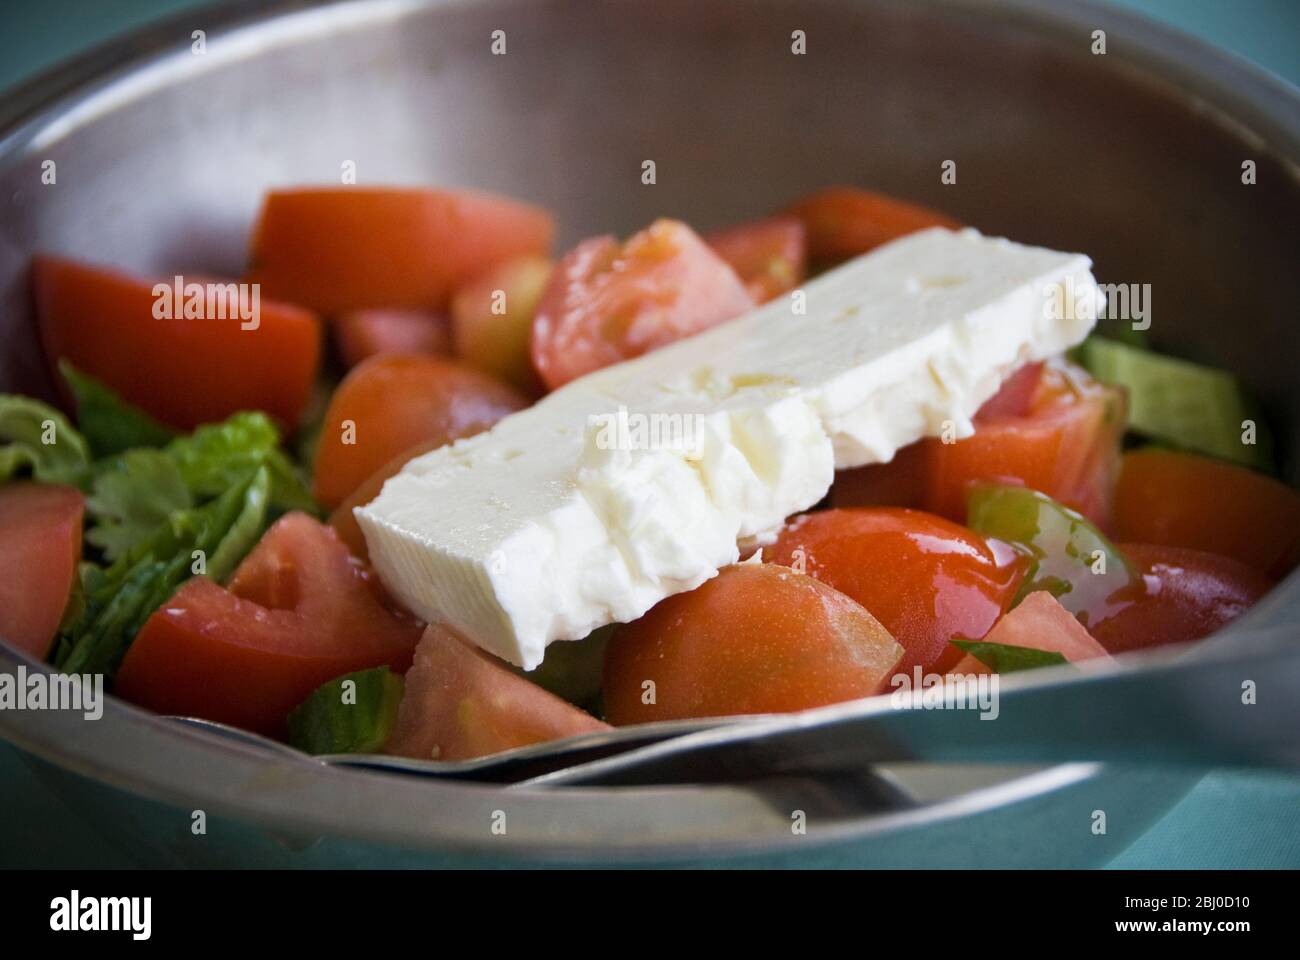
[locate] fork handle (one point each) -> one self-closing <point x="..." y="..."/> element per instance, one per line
<point x="1242" y="710"/>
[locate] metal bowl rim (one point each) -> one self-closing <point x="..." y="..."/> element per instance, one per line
<point x="250" y="784"/>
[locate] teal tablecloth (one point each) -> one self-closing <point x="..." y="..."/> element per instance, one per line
<point x="1230" y="819"/>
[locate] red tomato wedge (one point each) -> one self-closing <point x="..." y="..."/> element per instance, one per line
<point x="299" y="611"/>
<point x="183" y="371"/>
<point x="1182" y="500"/>
<point x="40" y="546"/>
<point x="843" y="222"/>
<point x="1066" y="445"/>
<point x="350" y="248"/>
<point x="492" y="320"/>
<point x="770" y="256"/>
<point x="925" y="578"/>
<point x="1041" y="623"/>
<point x="608" y="302"/>
<point x="903" y="481"/>
<point x="1016" y="396"/>
<point x="757" y="638"/>
<point x="1185" y="595"/>
<point x="362" y="334"/>
<point x="342" y="519"/>
<point x="460" y="703"/>
<point x="968" y="666"/>
<point x="393" y="402"/>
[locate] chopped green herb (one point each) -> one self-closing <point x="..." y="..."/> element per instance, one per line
<point x="1005" y="658"/>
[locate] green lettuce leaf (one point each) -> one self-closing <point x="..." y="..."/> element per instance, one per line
<point x="216" y="456"/>
<point x="37" y="440"/>
<point x="132" y="495"/>
<point x="110" y="424"/>
<point x="161" y="507"/>
<point x="245" y="530"/>
<point x="136" y="491"/>
<point x="118" y="600"/>
<point x="354" y="713"/>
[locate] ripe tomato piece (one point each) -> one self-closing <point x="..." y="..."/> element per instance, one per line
<point x="1066" y="446"/>
<point x="361" y="334"/>
<point x="902" y="481"/>
<point x="392" y="402"/>
<point x="492" y="320"/>
<point x="969" y="666"/>
<point x="342" y="519"/>
<point x="299" y="611"/>
<point x="1183" y="500"/>
<point x="350" y="248"/>
<point x="1184" y="595"/>
<point x="461" y="703"/>
<point x="770" y="256"/>
<point x="1016" y="396"/>
<point x="183" y="371"/>
<point x="925" y="578"/>
<point x="757" y="638"/>
<point x="1040" y="623"/>
<point x="40" y="545"/>
<point x="843" y="222"/>
<point x="608" y="302"/>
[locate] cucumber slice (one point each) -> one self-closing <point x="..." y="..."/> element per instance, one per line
<point x="1069" y="557"/>
<point x="353" y="713"/>
<point x="1182" y="404"/>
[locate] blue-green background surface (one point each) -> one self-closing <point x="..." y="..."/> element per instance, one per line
<point x="1228" y="820"/>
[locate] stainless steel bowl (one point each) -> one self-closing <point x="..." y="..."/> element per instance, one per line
<point x="1134" y="156"/>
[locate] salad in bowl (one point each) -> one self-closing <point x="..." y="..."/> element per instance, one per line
<point x="413" y="485"/>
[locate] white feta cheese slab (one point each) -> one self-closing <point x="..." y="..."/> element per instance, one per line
<point x="637" y="481"/>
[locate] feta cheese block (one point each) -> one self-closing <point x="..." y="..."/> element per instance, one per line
<point x="638" y="481"/>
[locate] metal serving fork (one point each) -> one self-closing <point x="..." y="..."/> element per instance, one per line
<point x="1238" y="706"/>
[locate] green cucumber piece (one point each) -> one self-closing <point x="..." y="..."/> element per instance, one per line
<point x="1182" y="404"/>
<point x="1062" y="545"/>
